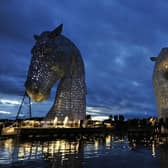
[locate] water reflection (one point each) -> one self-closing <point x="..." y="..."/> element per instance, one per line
<point x="82" y="152"/>
<point x="59" y="152"/>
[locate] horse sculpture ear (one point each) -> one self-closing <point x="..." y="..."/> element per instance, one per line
<point x="57" y="31"/>
<point x="153" y="59"/>
<point x="36" y="37"/>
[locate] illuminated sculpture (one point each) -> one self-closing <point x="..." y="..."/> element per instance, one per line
<point x="160" y="82"/>
<point x="54" y="57"/>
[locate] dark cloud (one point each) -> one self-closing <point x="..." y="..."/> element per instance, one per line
<point x="116" y="39"/>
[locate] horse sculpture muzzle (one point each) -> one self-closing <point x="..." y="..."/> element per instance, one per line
<point x="36" y="94"/>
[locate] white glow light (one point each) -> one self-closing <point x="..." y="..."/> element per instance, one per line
<point x="100" y="118"/>
<point x="5" y="112"/>
<point x="6" y="101"/>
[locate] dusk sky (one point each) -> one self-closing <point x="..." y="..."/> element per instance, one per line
<point x="116" y="39"/>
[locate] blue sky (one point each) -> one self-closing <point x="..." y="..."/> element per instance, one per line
<point x="116" y="39"/>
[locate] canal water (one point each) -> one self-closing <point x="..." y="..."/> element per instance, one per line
<point x="102" y="151"/>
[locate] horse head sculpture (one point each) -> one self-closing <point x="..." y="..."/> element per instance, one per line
<point x="55" y="57"/>
<point x="160" y="82"/>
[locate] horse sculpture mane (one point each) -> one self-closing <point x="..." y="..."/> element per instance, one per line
<point x="55" y="57"/>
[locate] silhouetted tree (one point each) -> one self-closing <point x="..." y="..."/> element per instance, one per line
<point x="88" y="117"/>
<point x="121" y="118"/>
<point x="116" y="118"/>
<point x="110" y="117"/>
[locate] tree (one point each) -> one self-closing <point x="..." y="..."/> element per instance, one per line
<point x="121" y="118"/>
<point x="88" y="117"/>
<point x="110" y="117"/>
<point x="116" y="118"/>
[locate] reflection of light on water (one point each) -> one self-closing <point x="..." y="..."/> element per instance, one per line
<point x="63" y="152"/>
<point x="108" y="140"/>
<point x="13" y="152"/>
<point x="96" y="145"/>
<point x="119" y="140"/>
<point x="153" y="150"/>
<point x="8" y="144"/>
<point x="57" y="145"/>
<point x="50" y="148"/>
<point x="21" y="153"/>
<point x="6" y="151"/>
